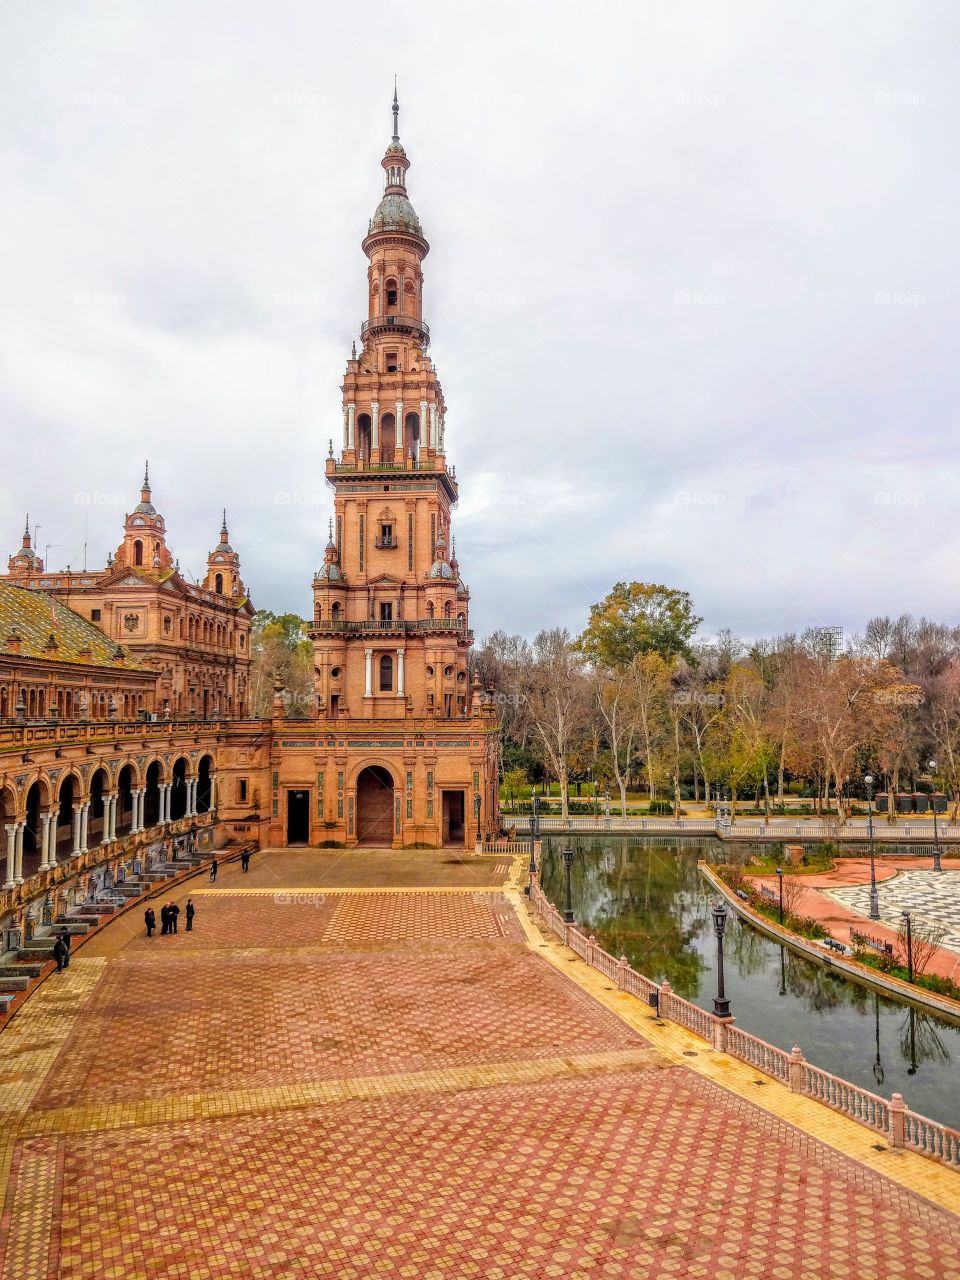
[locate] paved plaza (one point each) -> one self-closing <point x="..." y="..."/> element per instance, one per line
<point x="375" y="1065"/>
<point x="930" y="896"/>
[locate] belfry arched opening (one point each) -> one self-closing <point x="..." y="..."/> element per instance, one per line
<point x="375" y="806"/>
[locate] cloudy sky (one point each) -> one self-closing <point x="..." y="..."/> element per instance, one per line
<point x="692" y="288"/>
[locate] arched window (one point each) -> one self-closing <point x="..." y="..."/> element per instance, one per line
<point x="388" y="437"/>
<point x="138" y="552"/>
<point x="411" y="435"/>
<point x="386" y="673"/>
<point x="447" y="609"/>
<point x="430" y="609"/>
<point x="336" y="610"/>
<point x="363" y="435"/>
<point x="391" y="293"/>
<point x="218" y="584"/>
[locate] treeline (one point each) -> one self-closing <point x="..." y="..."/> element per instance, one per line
<point x="638" y="701"/>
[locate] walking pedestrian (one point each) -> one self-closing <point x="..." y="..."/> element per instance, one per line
<point x="150" y="920"/>
<point x="213" y="871"/>
<point x="165" y="919"/>
<point x="174" y="912"/>
<point x="59" y="951"/>
<point x="245" y="859"/>
<point x="65" y="939"/>
<point x="191" y="912"/>
<point x="193" y="837"/>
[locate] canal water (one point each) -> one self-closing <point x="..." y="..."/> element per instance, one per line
<point x="642" y="897"/>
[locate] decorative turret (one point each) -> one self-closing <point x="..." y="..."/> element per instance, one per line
<point x="330" y="570"/>
<point x="26" y="560"/>
<point x="223" y="566"/>
<point x="144" y="535"/>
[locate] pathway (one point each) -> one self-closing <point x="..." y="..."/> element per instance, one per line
<point x="373" y="1065"/>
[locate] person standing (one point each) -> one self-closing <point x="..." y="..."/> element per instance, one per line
<point x="150" y="920"/>
<point x="165" y="919"/>
<point x="190" y="913"/>
<point x="213" y="871"/>
<point x="65" y="939"/>
<point x="245" y="860"/>
<point x="174" y="912"/>
<point x="59" y="951"/>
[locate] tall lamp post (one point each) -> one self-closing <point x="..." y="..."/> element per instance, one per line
<point x="567" y="885"/>
<point x="721" y="1005"/>
<point x="477" y="802"/>
<point x="534" y="830"/>
<point x="909" y="924"/>
<point x="874" y="897"/>
<point x="932" y="766"/>
<point x="780" y="881"/>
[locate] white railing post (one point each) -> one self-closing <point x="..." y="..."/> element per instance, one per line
<point x="623" y="968"/>
<point x="898" y="1120"/>
<point x="795" y="1070"/>
<point x="666" y="992"/>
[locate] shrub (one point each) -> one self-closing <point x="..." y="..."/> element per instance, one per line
<point x="660" y="808"/>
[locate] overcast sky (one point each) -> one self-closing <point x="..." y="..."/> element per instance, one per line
<point x="692" y="288"/>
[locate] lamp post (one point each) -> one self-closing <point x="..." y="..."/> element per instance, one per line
<point x="567" y="884"/>
<point x="878" y="1065"/>
<point x="874" y="898"/>
<point x="932" y="766"/>
<point x="721" y="1005"/>
<point x="780" y="885"/>
<point x="909" y="923"/>
<point x="534" y="828"/>
<point x="477" y="802"/>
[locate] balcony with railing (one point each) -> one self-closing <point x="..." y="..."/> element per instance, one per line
<point x="391" y="626"/>
<point x="392" y="323"/>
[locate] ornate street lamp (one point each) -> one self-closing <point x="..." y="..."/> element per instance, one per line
<point x="476" y="811"/>
<point x="909" y="923"/>
<point x="780" y="879"/>
<point x="874" y="897"/>
<point x="534" y="831"/>
<point x="932" y="766"/>
<point x="567" y="856"/>
<point x="721" y="1005"/>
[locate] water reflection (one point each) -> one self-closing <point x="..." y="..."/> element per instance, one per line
<point x="645" y="899"/>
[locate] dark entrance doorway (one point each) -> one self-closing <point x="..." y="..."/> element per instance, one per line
<point x="454" y="832"/>
<point x="298" y="817"/>
<point x="375" y="807"/>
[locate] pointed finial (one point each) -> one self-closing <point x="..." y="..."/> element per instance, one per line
<point x="353" y="353"/>
<point x="223" y="527"/>
<point x="396" y="113"/>
<point x="330" y="528"/>
<point x="146" y="474"/>
<point x="26" y="527"/>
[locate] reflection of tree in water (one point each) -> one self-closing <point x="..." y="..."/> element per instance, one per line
<point x="919" y="1040"/>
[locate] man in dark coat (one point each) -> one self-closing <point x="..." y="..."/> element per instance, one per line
<point x="150" y="920"/>
<point x="190" y="913"/>
<point x="165" y="918"/>
<point x="59" y="952"/>
<point x="213" y="871"/>
<point x="65" y="939"/>
<point x="245" y="859"/>
<point x="174" y="912"/>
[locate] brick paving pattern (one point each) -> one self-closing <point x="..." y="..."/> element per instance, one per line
<point x="397" y="1086"/>
<point x="933" y="897"/>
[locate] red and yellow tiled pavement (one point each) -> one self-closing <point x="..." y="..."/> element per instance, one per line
<point x="336" y="1076"/>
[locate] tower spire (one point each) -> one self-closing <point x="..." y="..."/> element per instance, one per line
<point x="396" y="113"/>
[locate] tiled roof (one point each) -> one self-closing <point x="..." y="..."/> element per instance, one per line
<point x="37" y="616"/>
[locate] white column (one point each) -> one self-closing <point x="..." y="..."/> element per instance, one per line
<point x="18" y="858"/>
<point x="45" y="860"/>
<point x="105" y="833"/>
<point x="11" y="858"/>
<point x="424" y="425"/>
<point x="134" y="810"/>
<point x="400" y="691"/>
<point x="432" y="429"/>
<point x="213" y="791"/>
<point x="346" y="429"/>
<point x="401" y="444"/>
<point x="84" y="825"/>
<point x="77" y="811"/>
<point x="165" y="803"/>
<point x="351" y="426"/>
<point x="368" y="673"/>
<point x="374" y="425"/>
<point x="113" y="816"/>
<point x="141" y="805"/>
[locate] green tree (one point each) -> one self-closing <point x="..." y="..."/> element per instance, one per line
<point x="639" y="617"/>
<point x="281" y="652"/>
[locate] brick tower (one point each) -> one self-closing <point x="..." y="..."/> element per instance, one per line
<point x="414" y="748"/>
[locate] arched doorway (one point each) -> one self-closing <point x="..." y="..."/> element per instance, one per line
<point x="99" y="785"/>
<point x="125" y="800"/>
<point x="375" y="807"/>
<point x="178" y="792"/>
<point x="204" y="785"/>
<point x="36" y="799"/>
<point x="151" y="798"/>
<point x="69" y="796"/>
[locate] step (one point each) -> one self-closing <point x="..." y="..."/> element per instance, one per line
<point x="89" y="918"/>
<point x="5" y="1002"/>
<point x="20" y="969"/>
<point x="39" y="949"/>
<point x="14" y="984"/>
<point x="73" y="927"/>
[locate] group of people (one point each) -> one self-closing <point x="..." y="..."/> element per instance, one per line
<point x="169" y="916"/>
<point x="61" y="950"/>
